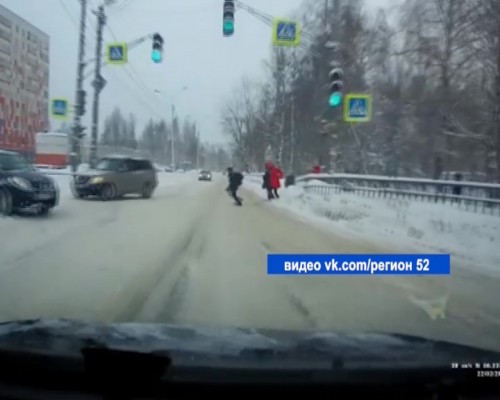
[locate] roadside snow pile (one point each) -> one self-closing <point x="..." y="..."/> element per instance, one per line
<point x="427" y="227"/>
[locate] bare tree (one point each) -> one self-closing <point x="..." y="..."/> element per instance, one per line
<point x="434" y="76"/>
<point x="487" y="79"/>
<point x="240" y="122"/>
<point x="441" y="33"/>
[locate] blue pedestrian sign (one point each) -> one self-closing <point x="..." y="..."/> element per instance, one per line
<point x="116" y="53"/>
<point x="357" y="107"/>
<point x="286" y="33"/>
<point x="59" y="108"/>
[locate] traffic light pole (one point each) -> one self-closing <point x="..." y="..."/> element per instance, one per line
<point x="336" y="82"/>
<point x="98" y="84"/>
<point x="77" y="128"/>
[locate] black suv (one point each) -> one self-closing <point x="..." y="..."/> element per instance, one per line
<point x="22" y="187"/>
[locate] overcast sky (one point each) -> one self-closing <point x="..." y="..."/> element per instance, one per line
<point x="196" y="55"/>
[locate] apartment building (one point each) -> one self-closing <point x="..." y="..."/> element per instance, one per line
<point x="24" y="83"/>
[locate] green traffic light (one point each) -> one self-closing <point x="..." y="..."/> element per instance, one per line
<point x="228" y="27"/>
<point x="335" y="99"/>
<point x="156" y="56"/>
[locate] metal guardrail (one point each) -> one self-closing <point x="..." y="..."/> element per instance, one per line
<point x="385" y="180"/>
<point x="475" y="196"/>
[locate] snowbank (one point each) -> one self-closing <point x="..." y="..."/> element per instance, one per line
<point x="317" y="182"/>
<point x="427" y="227"/>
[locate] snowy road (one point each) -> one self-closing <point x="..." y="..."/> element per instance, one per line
<point x="190" y="256"/>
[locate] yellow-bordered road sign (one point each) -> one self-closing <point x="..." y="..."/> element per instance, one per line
<point x="59" y="108"/>
<point x="357" y="107"/>
<point x="116" y="53"/>
<point x="286" y="33"/>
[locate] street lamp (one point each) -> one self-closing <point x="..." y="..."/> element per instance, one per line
<point x="172" y="142"/>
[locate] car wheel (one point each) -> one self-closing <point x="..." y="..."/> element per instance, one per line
<point x="6" y="206"/>
<point x="108" y="192"/>
<point x="44" y="210"/>
<point x="147" y="191"/>
<point x="78" y="195"/>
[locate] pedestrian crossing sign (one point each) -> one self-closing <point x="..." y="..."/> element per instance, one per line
<point x="357" y="107"/>
<point x="286" y="33"/>
<point x="59" y="108"/>
<point x="116" y="53"/>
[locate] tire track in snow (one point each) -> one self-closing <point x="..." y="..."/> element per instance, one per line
<point x="301" y="309"/>
<point x="295" y="301"/>
<point x="161" y="299"/>
<point x="141" y="296"/>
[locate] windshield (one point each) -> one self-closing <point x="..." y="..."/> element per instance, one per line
<point x="355" y="150"/>
<point x="109" y="164"/>
<point x="13" y="162"/>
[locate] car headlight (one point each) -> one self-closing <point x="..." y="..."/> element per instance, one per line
<point x="20" y="183"/>
<point x="96" y="180"/>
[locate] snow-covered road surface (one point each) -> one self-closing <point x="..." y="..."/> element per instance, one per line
<point x="189" y="256"/>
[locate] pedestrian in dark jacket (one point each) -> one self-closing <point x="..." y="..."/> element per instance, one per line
<point x="457" y="189"/>
<point x="266" y="183"/>
<point x="235" y="180"/>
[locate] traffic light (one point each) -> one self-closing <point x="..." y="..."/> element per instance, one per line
<point x="228" y="18"/>
<point x="80" y="104"/>
<point x="336" y="85"/>
<point x="157" y="53"/>
<point x="79" y="131"/>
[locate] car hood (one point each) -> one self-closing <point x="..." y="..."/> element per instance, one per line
<point x="32" y="176"/>
<point x="68" y="337"/>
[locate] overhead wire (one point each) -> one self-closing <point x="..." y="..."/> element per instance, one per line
<point x="151" y="105"/>
<point x="260" y="15"/>
<point x="68" y="13"/>
<point x="75" y="22"/>
<point x="268" y="17"/>
<point x="136" y="79"/>
<point x="139" y="80"/>
<point x="121" y="7"/>
<point x="269" y="21"/>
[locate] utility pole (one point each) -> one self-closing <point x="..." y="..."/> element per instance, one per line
<point x="172" y="145"/>
<point x="79" y="107"/>
<point x="98" y="84"/>
<point x="197" y="150"/>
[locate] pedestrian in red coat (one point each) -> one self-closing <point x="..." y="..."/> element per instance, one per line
<point x="276" y="174"/>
